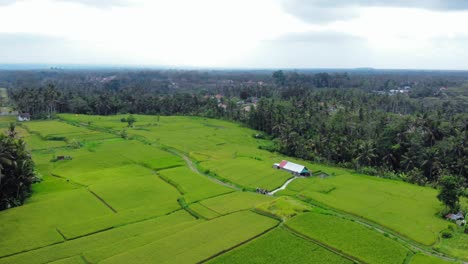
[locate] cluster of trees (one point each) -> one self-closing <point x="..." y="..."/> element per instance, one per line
<point x="16" y="170"/>
<point x="391" y="136"/>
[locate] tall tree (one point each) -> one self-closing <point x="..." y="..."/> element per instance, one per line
<point x="16" y="171"/>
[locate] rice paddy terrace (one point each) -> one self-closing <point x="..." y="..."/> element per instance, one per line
<point x="182" y="190"/>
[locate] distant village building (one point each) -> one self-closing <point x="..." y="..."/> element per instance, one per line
<point x="296" y="169"/>
<point x="393" y="92"/>
<point x="24" y="117"/>
<point x="455" y="217"/>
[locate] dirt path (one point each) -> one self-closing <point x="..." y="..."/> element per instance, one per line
<point x="194" y="168"/>
<point x="283" y="186"/>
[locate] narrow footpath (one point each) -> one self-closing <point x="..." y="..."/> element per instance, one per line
<point x="284" y="185"/>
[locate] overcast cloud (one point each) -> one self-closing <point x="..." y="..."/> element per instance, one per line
<point x="241" y="33"/>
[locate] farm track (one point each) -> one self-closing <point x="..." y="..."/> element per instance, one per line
<point x="194" y="168"/>
<point x="413" y="246"/>
<point x="283" y="186"/>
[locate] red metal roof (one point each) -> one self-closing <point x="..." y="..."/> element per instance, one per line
<point x="283" y="163"/>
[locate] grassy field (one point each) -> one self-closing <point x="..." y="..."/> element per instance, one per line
<point x="122" y="201"/>
<point x="350" y="238"/>
<point x="456" y="245"/>
<point x="195" y="187"/>
<point x="407" y="209"/>
<point x="425" y="259"/>
<point x="234" y="202"/>
<point x="282" y="247"/>
<point x="199" y="242"/>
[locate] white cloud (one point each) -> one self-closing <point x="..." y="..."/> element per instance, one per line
<point x="242" y="33"/>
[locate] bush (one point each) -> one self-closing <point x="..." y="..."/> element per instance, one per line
<point x="368" y="170"/>
<point x="123" y="120"/>
<point x="124" y="134"/>
<point x="75" y="144"/>
<point x="447" y="234"/>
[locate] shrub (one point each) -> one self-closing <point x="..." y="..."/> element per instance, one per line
<point x="75" y="144"/>
<point x="447" y="234"/>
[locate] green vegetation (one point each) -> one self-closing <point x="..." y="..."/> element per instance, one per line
<point x="16" y="169"/>
<point x="456" y="245"/>
<point x="234" y="202"/>
<point x="199" y="242"/>
<point x="407" y="209"/>
<point x="425" y="259"/>
<point x="349" y="237"/>
<point x="280" y="246"/>
<point x="122" y="200"/>
<point x="195" y="187"/>
<point x="284" y="207"/>
<point x="450" y="192"/>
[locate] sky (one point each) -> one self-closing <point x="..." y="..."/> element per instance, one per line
<point x="397" y="34"/>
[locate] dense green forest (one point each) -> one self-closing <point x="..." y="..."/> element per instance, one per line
<point x="406" y="125"/>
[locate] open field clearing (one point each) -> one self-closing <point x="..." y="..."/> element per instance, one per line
<point x="34" y="224"/>
<point x="199" y="242"/>
<point x="350" y="238"/>
<point x="203" y="211"/>
<point x="284" y="207"/>
<point x="235" y="201"/>
<point x="407" y="209"/>
<point x="455" y="246"/>
<point x="123" y="237"/>
<point x="6" y="120"/>
<point x="55" y="130"/>
<point x="425" y="259"/>
<point x="195" y="187"/>
<point x="280" y="246"/>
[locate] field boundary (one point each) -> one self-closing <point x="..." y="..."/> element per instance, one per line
<point x="412" y="245"/>
<point x="102" y="200"/>
<point x="224" y="251"/>
<point x="323" y="245"/>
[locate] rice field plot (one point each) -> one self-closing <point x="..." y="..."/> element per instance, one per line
<point x="282" y="247"/>
<point x="225" y="148"/>
<point x="111" y="154"/>
<point x="236" y="201"/>
<point x="200" y="242"/>
<point x="456" y="246"/>
<point x="284" y="207"/>
<point x="203" y="211"/>
<point x="71" y="260"/>
<point x="194" y="186"/>
<point x="139" y="191"/>
<point x="425" y="259"/>
<point x="248" y="172"/>
<point x="349" y="237"/>
<point x="408" y="209"/>
<point x="102" y="240"/>
<point x="34" y="224"/>
<point x="113" y="122"/>
<point x="55" y="130"/>
<point x="6" y="120"/>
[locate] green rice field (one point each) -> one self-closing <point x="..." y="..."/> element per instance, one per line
<point x="182" y="190"/>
